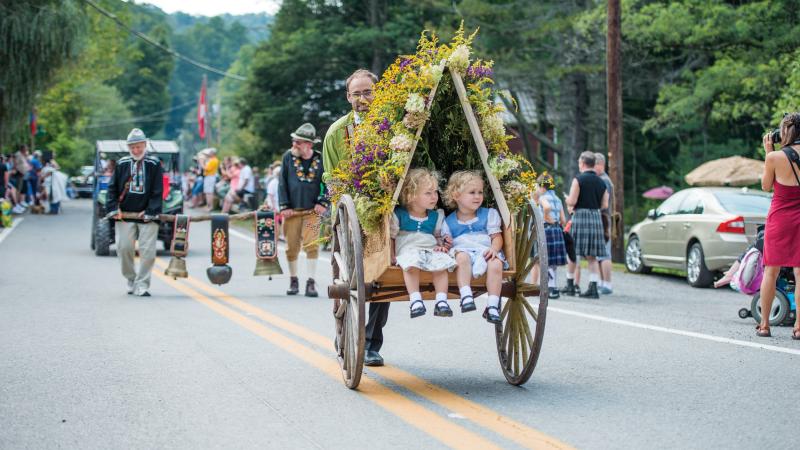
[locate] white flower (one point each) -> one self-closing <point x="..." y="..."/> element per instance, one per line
<point x="502" y="166"/>
<point x="402" y="142"/>
<point x="459" y="59"/>
<point x="400" y="159"/>
<point x="493" y="128"/>
<point x="415" y="103"/>
<point x="432" y="72"/>
<point x="514" y="188"/>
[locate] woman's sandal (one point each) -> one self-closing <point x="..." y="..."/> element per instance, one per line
<point x="796" y="334"/>
<point x="442" y="309"/>
<point x="762" y="331"/>
<point x="492" y="317"/>
<point x="418" y="311"/>
<point x="467" y="304"/>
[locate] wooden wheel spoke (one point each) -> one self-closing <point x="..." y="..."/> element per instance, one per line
<point x="506" y="307"/>
<point x="518" y="341"/>
<point x="530" y="309"/>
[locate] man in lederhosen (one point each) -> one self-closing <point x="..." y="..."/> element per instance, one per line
<point x="360" y="86"/>
<point x="136" y="186"/>
<point x="302" y="200"/>
<point x="587" y="196"/>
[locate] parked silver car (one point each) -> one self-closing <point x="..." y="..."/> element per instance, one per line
<point x="699" y="230"/>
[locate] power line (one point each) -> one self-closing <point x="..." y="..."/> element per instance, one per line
<point x="154" y="43"/>
<point x="152" y="117"/>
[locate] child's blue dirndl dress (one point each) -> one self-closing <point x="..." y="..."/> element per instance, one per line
<point x="474" y="237"/>
<point x="415" y="239"/>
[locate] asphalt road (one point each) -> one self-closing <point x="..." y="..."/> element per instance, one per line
<point x="83" y="365"/>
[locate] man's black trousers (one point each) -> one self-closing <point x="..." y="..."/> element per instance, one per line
<point x="378" y="314"/>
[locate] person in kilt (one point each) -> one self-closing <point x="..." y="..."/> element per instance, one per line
<point x="587" y="196"/>
<point x="554" y="221"/>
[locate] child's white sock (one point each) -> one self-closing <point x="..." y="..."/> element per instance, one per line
<point x="494" y="300"/>
<point x="293" y="268"/>
<point x="593" y="278"/>
<point x="570" y="275"/>
<point x="465" y="291"/>
<point x="552" y="280"/>
<point x="606" y="284"/>
<point x="416" y="306"/>
<point x="441" y="296"/>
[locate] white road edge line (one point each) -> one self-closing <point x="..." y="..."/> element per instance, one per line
<point x="707" y="337"/>
<point x="252" y="240"/>
<point x="9" y="230"/>
<point x="643" y="326"/>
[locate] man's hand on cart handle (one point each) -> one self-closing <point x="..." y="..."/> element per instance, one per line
<point x="287" y="212"/>
<point x="319" y="209"/>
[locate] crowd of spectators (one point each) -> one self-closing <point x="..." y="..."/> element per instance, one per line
<point x="29" y="182"/>
<point x="231" y="184"/>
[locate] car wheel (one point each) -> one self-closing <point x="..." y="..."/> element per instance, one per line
<point x="778" y="313"/>
<point x="633" y="257"/>
<point x="697" y="274"/>
<point x="102" y="238"/>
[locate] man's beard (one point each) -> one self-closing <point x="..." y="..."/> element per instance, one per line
<point x="137" y="158"/>
<point x="296" y="152"/>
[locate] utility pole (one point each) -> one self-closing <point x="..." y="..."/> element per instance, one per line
<point x="218" y="112"/>
<point x="615" y="156"/>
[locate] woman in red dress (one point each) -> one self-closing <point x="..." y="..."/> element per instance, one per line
<point x="782" y="233"/>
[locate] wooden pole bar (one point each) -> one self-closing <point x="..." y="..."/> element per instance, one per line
<point x="399" y="188"/>
<point x="475" y="129"/>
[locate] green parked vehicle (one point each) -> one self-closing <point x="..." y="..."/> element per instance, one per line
<point x="103" y="229"/>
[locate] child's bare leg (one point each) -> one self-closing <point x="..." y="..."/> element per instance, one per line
<point x="728" y="277"/>
<point x="464" y="277"/>
<point x="411" y="277"/>
<point x="494" y="277"/>
<point x="535" y="273"/>
<point x="440" y="281"/>
<point x="464" y="270"/>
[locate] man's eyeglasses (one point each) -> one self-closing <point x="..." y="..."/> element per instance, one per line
<point x="362" y="94"/>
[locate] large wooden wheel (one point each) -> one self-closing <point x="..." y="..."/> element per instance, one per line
<point x="348" y="276"/>
<point x="519" y="337"/>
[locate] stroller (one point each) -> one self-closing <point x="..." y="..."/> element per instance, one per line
<point x="784" y="306"/>
<point x="749" y="279"/>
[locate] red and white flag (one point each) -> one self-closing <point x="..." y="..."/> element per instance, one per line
<point x="202" y="111"/>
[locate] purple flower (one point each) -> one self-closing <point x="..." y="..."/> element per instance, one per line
<point x="477" y="72"/>
<point x="384" y="126"/>
<point x="404" y="63"/>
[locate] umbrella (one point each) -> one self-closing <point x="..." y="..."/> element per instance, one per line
<point x="733" y="171"/>
<point x="659" y="193"/>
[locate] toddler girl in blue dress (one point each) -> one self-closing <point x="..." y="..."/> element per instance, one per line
<point x="477" y="240"/>
<point x="415" y="228"/>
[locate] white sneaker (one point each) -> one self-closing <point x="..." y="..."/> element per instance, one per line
<point x="18" y="209"/>
<point x="24" y="204"/>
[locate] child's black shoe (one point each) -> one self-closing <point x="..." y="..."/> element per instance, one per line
<point x="467" y="304"/>
<point x="442" y="309"/>
<point x="416" y="312"/>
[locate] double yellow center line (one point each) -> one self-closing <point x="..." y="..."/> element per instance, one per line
<point x="413" y="413"/>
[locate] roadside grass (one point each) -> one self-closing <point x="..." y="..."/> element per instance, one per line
<point x="620" y="267"/>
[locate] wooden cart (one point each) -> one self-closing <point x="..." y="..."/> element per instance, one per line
<point x="362" y="272"/>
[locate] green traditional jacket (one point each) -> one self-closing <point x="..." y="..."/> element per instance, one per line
<point x="336" y="146"/>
